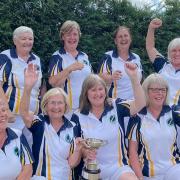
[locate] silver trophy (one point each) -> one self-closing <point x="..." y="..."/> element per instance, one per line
<point x="91" y="170"/>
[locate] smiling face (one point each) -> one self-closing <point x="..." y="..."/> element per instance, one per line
<point x="71" y="39"/>
<point x="123" y="39"/>
<point x="55" y="107"/>
<point x="96" y="96"/>
<point x="24" y="42"/>
<point x="174" y="54"/>
<point x="157" y="95"/>
<point x="3" y="115"/>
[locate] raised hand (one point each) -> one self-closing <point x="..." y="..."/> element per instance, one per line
<point x="155" y="23"/>
<point x="31" y="76"/>
<point x="131" y="70"/>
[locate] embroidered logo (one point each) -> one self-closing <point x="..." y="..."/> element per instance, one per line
<point x="112" y="118"/>
<point x="16" y="151"/>
<point x="68" y="138"/>
<point x="170" y="122"/>
<point x="85" y="62"/>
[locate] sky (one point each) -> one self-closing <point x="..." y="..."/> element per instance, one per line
<point x="141" y="3"/>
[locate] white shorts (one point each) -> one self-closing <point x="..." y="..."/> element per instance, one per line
<point x="113" y="172"/>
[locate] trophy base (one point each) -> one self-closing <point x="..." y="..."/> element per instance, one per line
<point x="90" y="174"/>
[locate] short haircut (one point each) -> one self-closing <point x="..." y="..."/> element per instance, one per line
<point x="54" y="92"/>
<point x="68" y="26"/>
<point x="173" y="44"/>
<point x="155" y="78"/>
<point x="91" y="81"/>
<point x="121" y="28"/>
<point x="22" y="29"/>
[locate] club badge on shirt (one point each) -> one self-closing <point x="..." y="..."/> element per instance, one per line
<point x="112" y="118"/>
<point x="170" y="122"/>
<point x="16" y="151"/>
<point x="68" y="139"/>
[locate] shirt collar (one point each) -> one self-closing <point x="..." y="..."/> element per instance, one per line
<point x="63" y="51"/>
<point x="107" y="108"/>
<point x="13" y="54"/>
<point x="11" y="135"/>
<point x="165" y="109"/>
<point x="67" y="124"/>
<point x="116" y="55"/>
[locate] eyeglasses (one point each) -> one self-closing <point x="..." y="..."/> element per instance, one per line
<point x="55" y="103"/>
<point x="156" y="90"/>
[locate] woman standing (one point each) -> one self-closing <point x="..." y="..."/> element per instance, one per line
<point x="102" y="118"/>
<point x="69" y="67"/>
<point x="169" y="67"/>
<point x="153" y="148"/>
<point x="112" y="65"/>
<point x="12" y="65"/>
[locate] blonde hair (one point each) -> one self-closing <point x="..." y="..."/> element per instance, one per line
<point x="53" y="92"/>
<point x="155" y="78"/>
<point x="91" y="81"/>
<point x="68" y="26"/>
<point x="22" y="29"/>
<point x="173" y="44"/>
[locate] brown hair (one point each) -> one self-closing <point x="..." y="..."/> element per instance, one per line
<point x="91" y="81"/>
<point x="121" y="28"/>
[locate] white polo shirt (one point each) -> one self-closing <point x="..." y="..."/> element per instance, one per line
<point x="12" y="76"/>
<point x="13" y="155"/>
<point x="51" y="149"/>
<point x="73" y="84"/>
<point x="171" y="75"/>
<point x="112" y="62"/>
<point x="110" y="127"/>
<point x="156" y="138"/>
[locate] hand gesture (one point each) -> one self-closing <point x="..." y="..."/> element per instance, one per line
<point x="155" y="23"/>
<point x="30" y="76"/>
<point x="116" y="75"/>
<point x="79" y="143"/>
<point x="76" y="66"/>
<point x="131" y="70"/>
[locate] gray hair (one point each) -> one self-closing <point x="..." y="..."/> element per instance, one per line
<point x="173" y="44"/>
<point x="155" y="78"/>
<point x="22" y="29"/>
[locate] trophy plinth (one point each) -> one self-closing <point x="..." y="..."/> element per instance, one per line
<point x="91" y="170"/>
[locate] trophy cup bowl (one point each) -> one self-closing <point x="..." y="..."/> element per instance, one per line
<point x="91" y="170"/>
